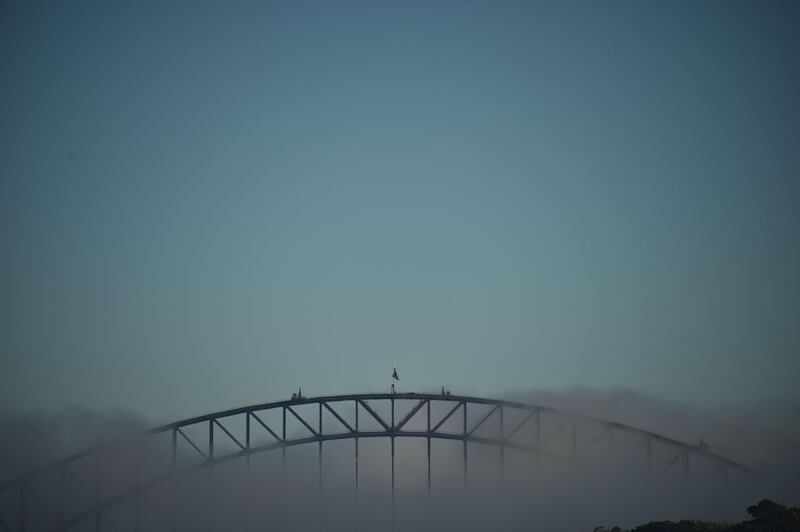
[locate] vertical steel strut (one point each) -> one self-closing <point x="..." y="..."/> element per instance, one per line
<point x="210" y="512"/>
<point x="136" y="479"/>
<point x="538" y="441"/>
<point x="392" y="438"/>
<point x="98" y="520"/>
<point x="502" y="447"/>
<point x="574" y="439"/>
<point x="62" y="474"/>
<point x="356" y="447"/>
<point x="23" y="509"/>
<point x="247" y="474"/>
<point x="174" y="488"/>
<point x="686" y="464"/>
<point x="283" y="473"/>
<point x="429" y="462"/>
<point x="319" y="471"/>
<point x="464" y="404"/>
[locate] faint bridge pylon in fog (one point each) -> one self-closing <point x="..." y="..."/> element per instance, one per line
<point x="82" y="489"/>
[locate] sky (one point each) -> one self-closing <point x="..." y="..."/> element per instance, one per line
<point x="209" y="204"/>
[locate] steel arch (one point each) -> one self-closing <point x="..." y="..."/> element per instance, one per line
<point x="61" y="518"/>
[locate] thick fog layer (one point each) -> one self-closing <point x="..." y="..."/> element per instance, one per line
<point x="516" y="491"/>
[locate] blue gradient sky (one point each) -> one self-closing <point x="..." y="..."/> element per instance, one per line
<point x="209" y="204"/>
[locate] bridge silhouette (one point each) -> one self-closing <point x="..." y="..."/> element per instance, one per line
<point x="79" y="490"/>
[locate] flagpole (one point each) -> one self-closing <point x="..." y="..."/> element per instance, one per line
<point x="395" y="378"/>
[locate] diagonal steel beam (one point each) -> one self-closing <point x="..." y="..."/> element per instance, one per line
<point x="49" y="511"/>
<point x="556" y="433"/>
<point x="483" y="419"/>
<point x="597" y="438"/>
<point x="408" y="416"/>
<point x="337" y="416"/>
<point x="151" y="452"/>
<point x="672" y="462"/>
<point x="303" y="421"/>
<point x="231" y="436"/>
<point x="373" y="414"/>
<point x="196" y="448"/>
<point x="266" y="427"/>
<point x="77" y="481"/>
<point x="520" y="425"/>
<point x="450" y="413"/>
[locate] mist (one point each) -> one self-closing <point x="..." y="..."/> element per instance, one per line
<point x="512" y="495"/>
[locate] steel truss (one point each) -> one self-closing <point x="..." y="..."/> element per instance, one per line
<point x="58" y="515"/>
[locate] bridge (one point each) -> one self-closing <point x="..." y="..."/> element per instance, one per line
<point x="80" y="490"/>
